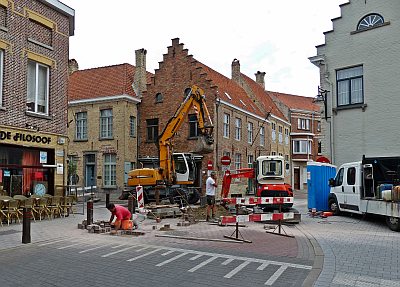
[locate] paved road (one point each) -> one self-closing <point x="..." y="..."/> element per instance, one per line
<point x="106" y="261"/>
<point x="342" y="250"/>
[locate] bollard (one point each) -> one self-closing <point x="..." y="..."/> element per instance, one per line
<point x="89" y="211"/>
<point x="131" y="204"/>
<point x="107" y="198"/>
<point x="26" y="225"/>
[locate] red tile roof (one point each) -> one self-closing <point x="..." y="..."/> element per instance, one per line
<point x="296" y="102"/>
<point x="229" y="91"/>
<point x="102" y="82"/>
<point x="263" y="97"/>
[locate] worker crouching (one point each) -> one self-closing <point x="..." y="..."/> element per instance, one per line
<point x="123" y="217"/>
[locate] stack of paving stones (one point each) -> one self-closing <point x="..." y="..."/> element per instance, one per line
<point x="187" y="219"/>
<point x="163" y="211"/>
<point x="105" y="227"/>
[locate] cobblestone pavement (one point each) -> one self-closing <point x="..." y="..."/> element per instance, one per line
<point x="342" y="251"/>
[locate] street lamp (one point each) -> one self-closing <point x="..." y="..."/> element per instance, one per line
<point x="322" y="97"/>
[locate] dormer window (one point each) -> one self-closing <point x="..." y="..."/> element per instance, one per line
<point x="369" y="21"/>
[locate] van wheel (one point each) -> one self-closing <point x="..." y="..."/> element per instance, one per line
<point x="393" y="223"/>
<point x="333" y="206"/>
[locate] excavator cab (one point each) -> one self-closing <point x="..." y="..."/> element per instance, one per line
<point x="270" y="169"/>
<point x="185" y="168"/>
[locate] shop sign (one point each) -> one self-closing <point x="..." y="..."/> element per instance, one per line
<point x="7" y="173"/>
<point x="22" y="137"/>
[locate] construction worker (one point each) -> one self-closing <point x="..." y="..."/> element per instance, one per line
<point x="123" y="217"/>
<point x="211" y="186"/>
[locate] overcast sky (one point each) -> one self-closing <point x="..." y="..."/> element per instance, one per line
<point x="275" y="37"/>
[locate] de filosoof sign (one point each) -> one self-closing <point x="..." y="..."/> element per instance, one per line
<point x="23" y="137"/>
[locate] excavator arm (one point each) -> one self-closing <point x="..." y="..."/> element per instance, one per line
<point x="195" y="99"/>
<point x="226" y="181"/>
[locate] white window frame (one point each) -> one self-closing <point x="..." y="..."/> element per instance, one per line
<point x="286" y="136"/>
<point x="262" y="136"/>
<point x="303" y="146"/>
<point x="303" y="124"/>
<point x="238" y="129"/>
<point x="106" y="124"/>
<point x="273" y="131"/>
<point x="110" y="170"/>
<point x="33" y="96"/>
<point x="238" y="160"/>
<point x="280" y="137"/>
<point x="350" y="86"/>
<point x="250" y="132"/>
<point x="226" y="125"/>
<point x="81" y="127"/>
<point x="250" y="160"/>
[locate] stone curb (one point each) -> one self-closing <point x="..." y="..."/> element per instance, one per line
<point x="318" y="261"/>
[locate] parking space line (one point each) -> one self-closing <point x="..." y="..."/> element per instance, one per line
<point x="94" y="248"/>
<point x="52" y="242"/>
<point x="120" y="245"/>
<point x="118" y="251"/>
<point x="167" y="253"/>
<point x="237" y="269"/>
<point x="262" y="266"/>
<point x="204" y="263"/>
<point x="171" y="259"/>
<point x="276" y="275"/>
<point x="227" y="261"/>
<point x="144" y="248"/>
<point x="71" y="245"/>
<point x="143" y="255"/>
<point x="195" y="257"/>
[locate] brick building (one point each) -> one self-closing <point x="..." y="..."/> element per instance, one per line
<point x="34" y="45"/>
<point x="305" y="135"/>
<point x="242" y="129"/>
<point x="102" y="113"/>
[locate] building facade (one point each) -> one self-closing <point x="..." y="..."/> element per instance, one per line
<point x="359" y="67"/>
<point x="103" y="122"/>
<point x="242" y="130"/>
<point x="34" y="46"/>
<point x="304" y="136"/>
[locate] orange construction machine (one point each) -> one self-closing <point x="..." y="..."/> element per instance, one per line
<point x="267" y="178"/>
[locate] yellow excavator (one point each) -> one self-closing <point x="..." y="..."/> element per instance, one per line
<point x="175" y="176"/>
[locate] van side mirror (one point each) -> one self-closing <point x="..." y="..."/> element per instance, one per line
<point x="331" y="182"/>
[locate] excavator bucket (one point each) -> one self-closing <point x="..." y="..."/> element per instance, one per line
<point x="204" y="145"/>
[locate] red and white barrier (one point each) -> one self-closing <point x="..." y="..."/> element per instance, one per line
<point x="140" y="197"/>
<point x="258" y="200"/>
<point x="256" y="217"/>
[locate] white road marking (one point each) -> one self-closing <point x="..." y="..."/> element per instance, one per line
<point x="237" y="269"/>
<point x="52" y="242"/>
<point x="118" y="251"/>
<point x="204" y="263"/>
<point x="168" y="252"/>
<point x="94" y="248"/>
<point x="171" y="259"/>
<point x="195" y="257"/>
<point x="262" y="266"/>
<point x="71" y="245"/>
<point x="276" y="275"/>
<point x="118" y="246"/>
<point x="227" y="261"/>
<point x="144" y="248"/>
<point x="143" y="255"/>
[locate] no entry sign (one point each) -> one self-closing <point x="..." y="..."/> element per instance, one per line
<point x="225" y="160"/>
<point x="209" y="165"/>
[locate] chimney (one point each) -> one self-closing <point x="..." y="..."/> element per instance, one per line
<point x="260" y="78"/>
<point x="140" y="79"/>
<point x="72" y="66"/>
<point x="236" y="70"/>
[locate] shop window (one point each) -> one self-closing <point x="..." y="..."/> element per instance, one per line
<point x="38" y="88"/>
<point x="106" y="124"/>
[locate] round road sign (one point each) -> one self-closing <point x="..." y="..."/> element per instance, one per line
<point x="225" y="160"/>
<point x="209" y="165"/>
